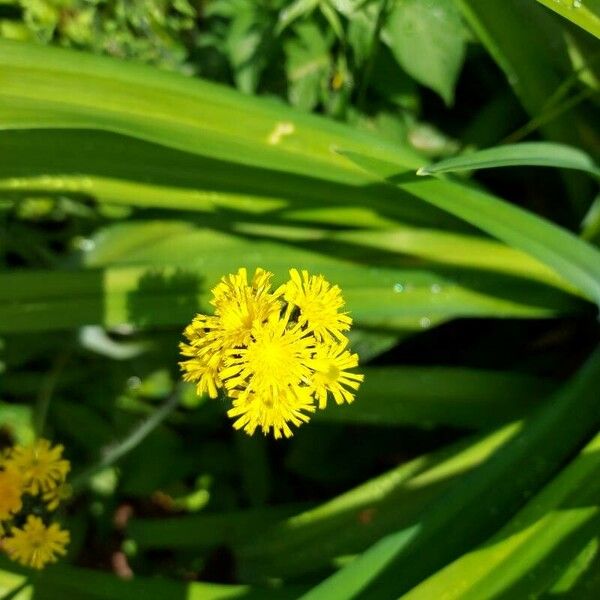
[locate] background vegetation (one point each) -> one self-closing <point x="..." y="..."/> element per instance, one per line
<point x="470" y="461"/>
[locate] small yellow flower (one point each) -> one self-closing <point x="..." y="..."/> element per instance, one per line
<point x="11" y="489"/>
<point x="330" y="375"/>
<point x="319" y="303"/>
<point x="56" y="495"/>
<point x="205" y="353"/>
<point x="238" y="305"/>
<point x="40" y="464"/>
<point x="35" y="544"/>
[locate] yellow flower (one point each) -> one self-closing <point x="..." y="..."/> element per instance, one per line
<point x="11" y="489"/>
<point x="205" y="352"/>
<point x="330" y="375"/>
<point x="319" y="303"/>
<point x="57" y="495"/>
<point x="237" y="306"/>
<point x="274" y="352"/>
<point x="273" y="411"/>
<point x="35" y="545"/>
<point x="40" y="464"/>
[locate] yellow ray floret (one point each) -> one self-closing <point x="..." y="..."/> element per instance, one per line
<point x="319" y="303"/>
<point x="11" y="490"/>
<point x="40" y="464"/>
<point x="272" y="411"/>
<point x="35" y="544"/>
<point x="330" y="365"/>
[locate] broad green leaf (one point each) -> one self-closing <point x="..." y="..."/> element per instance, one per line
<point x="429" y="396"/>
<point x="123" y="170"/>
<point x="541" y="154"/>
<point x="76" y="90"/>
<point x="522" y="559"/>
<point x="161" y="272"/>
<point x="352" y="521"/>
<point x="427" y="39"/>
<point x="572" y="258"/>
<point x="489" y="495"/>
<point x="585" y="13"/>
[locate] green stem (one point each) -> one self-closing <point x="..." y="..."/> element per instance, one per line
<point x="46" y="392"/>
<point x="112" y="453"/>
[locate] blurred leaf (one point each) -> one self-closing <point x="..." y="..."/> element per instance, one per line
<point x="585" y="13"/>
<point x="85" y="584"/>
<point x="248" y="42"/>
<point x="295" y="10"/>
<point x="541" y="154"/>
<point x="308" y="65"/>
<point x="206" y="530"/>
<point x="427" y="39"/>
<point x="17" y="421"/>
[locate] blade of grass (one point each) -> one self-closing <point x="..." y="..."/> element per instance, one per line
<point x="478" y="503"/>
<point x="85" y="584"/>
<point x="585" y="13"/>
<point x="352" y="521"/>
<point x="523" y="558"/>
<point x="542" y="154"/>
<point x="572" y="258"/>
<point x="430" y="396"/>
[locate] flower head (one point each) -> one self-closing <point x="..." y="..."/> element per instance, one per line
<point x="35" y="544"/>
<point x="238" y="305"/>
<point x="11" y="490"/>
<point x="330" y="366"/>
<point x="40" y="464"/>
<point x="275" y="353"/>
<point x="319" y="303"/>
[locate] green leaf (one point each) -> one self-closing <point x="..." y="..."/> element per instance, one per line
<point x="308" y="66"/>
<point x="489" y="495"/>
<point x="522" y="559"/>
<point x="84" y="584"/>
<point x="572" y="258"/>
<point x="541" y="154"/>
<point x="585" y="13"/>
<point x="427" y="39"/>
<point x="352" y="521"/>
<point x="430" y="396"/>
<point x="206" y="530"/>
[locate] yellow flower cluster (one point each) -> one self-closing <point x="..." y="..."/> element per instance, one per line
<point x="32" y="484"/>
<point x="276" y="353"/>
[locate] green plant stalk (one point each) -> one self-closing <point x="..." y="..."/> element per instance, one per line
<point x="111" y="454"/>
